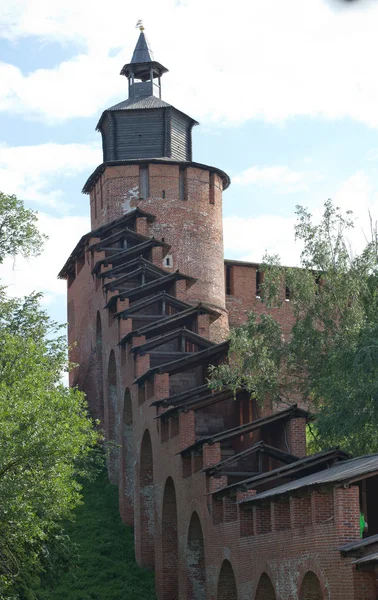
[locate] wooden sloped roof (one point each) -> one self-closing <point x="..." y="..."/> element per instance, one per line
<point x="345" y="471"/>
<point x="152" y="286"/>
<point x="313" y="463"/>
<point x="183" y="364"/>
<point x="160" y="326"/>
<point x="137" y="306"/>
<point x="129" y="253"/>
<point x="164" y="339"/>
<point x="289" y="413"/>
<point x="101" y="232"/>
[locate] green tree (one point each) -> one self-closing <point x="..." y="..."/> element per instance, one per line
<point x="46" y="436"/>
<point x="330" y="359"/>
<point x="19" y="234"/>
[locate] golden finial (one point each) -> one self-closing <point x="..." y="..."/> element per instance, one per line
<point x="140" y="25"/>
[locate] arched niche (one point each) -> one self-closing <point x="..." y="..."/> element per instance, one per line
<point x="147" y="503"/>
<point x="111" y="429"/>
<point x="170" y="542"/>
<point x="310" y="588"/>
<point x="127" y="483"/>
<point x="196" y="574"/>
<point x="99" y="371"/>
<point x="227" y="583"/>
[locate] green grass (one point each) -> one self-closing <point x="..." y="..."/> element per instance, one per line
<point x="107" y="569"/>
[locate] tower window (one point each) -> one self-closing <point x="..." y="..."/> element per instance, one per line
<point x="144" y="191"/>
<point x="163" y="194"/>
<point x="212" y="189"/>
<point x="287" y="293"/>
<point x="168" y="261"/>
<point x="182" y="185"/>
<point x="259" y="280"/>
<point x="229" y="281"/>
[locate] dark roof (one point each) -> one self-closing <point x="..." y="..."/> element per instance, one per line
<point x="359" y="544"/>
<point x="152" y="286"/>
<point x="123" y="268"/>
<point x="171" y="400"/>
<point x="125" y="255"/>
<point x="240" y="263"/>
<point x="143" y="103"/>
<point x="194" y="399"/>
<point x="159" y="161"/>
<point x="138" y="305"/>
<point x="314" y="462"/>
<point x="116" y="283"/>
<point x="259" y="447"/>
<point x="370" y="558"/>
<point x="289" y="413"/>
<point x="140" y="103"/>
<point x="163" y="339"/>
<point x="354" y="469"/>
<point x="142" y="52"/>
<point x="100" y="231"/>
<point x="158" y="327"/>
<point x="182" y="364"/>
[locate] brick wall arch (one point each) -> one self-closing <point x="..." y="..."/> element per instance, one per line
<point x="226" y="583"/>
<point x="127" y="459"/>
<point x="265" y="589"/>
<point x="99" y="402"/>
<point x="170" y="542"/>
<point x="147" y="503"/>
<point x="110" y="420"/>
<point x="196" y="575"/>
<point x="310" y="588"/>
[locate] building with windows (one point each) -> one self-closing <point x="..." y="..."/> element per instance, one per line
<point x="224" y="500"/>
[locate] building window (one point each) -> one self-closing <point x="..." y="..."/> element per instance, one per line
<point x="183" y="184"/>
<point x="163" y="194"/>
<point x="212" y="189"/>
<point x="259" y="280"/>
<point x="168" y="261"/>
<point x="287" y="293"/>
<point x="144" y="191"/>
<point x="229" y="281"/>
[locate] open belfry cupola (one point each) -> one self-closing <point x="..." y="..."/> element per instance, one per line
<point x="144" y="125"/>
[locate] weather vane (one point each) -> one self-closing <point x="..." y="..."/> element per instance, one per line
<point x="140" y="24"/>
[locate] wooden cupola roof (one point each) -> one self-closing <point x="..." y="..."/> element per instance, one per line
<point x="144" y="126"/>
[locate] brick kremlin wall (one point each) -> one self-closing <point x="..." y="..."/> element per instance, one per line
<point x="201" y="547"/>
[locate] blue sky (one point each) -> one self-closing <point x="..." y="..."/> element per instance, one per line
<point x="286" y="93"/>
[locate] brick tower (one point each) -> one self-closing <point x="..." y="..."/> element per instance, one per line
<point x="199" y="473"/>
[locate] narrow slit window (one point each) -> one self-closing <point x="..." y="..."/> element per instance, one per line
<point x="143" y="181"/>
<point x="163" y="194"/>
<point x="182" y="184"/>
<point x="212" y="189"/>
<point x="258" y="282"/>
<point x="101" y="193"/>
<point x="229" y="286"/>
<point x="287" y="293"/>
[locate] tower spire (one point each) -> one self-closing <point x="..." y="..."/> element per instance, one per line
<point x="143" y="70"/>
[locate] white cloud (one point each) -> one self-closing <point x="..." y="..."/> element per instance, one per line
<point x="228" y="62"/>
<point x="249" y="238"/>
<point x="40" y="274"/>
<point x="279" y="177"/>
<point x="35" y="173"/>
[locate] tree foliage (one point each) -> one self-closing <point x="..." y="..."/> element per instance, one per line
<point x="46" y="436"/>
<point x="19" y="233"/>
<point x="330" y="359"/>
